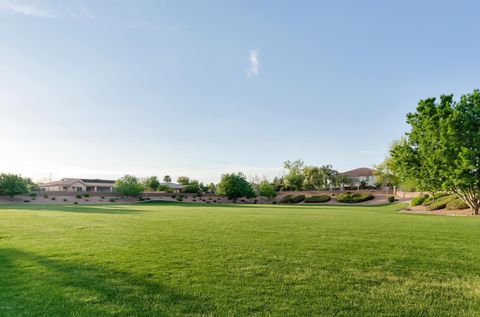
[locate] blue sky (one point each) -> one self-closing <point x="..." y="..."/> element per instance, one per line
<point x="199" y="88"/>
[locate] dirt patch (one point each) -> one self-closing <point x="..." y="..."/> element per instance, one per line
<point x="423" y="210"/>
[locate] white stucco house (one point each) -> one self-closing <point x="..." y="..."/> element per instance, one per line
<point x="79" y="185"/>
<point x="359" y="175"/>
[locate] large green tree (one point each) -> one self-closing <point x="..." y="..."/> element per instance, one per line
<point x="128" y="185"/>
<point x="183" y="180"/>
<point x="151" y="183"/>
<point x="295" y="177"/>
<point x="265" y="189"/>
<point x="11" y="185"/>
<point x="234" y="186"/>
<point x="442" y="150"/>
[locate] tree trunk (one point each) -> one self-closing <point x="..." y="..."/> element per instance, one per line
<point x="475" y="209"/>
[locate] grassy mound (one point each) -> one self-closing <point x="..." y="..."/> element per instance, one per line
<point x="317" y="199"/>
<point x="457" y="204"/>
<point x="292" y="199"/>
<point x="354" y="197"/>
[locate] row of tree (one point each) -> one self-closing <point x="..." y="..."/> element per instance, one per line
<point x="441" y="152"/>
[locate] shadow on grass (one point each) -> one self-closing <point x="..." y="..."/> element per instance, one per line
<point x="99" y="209"/>
<point x="241" y="205"/>
<point x="36" y="285"/>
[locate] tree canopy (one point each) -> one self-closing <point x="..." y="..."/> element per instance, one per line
<point x="234" y="186"/>
<point x="128" y="185"/>
<point x="265" y="189"/>
<point x="442" y="149"/>
<point x="11" y="185"/>
<point x="151" y="183"/>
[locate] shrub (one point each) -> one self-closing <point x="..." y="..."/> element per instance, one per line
<point x="65" y="199"/>
<point x="430" y="199"/>
<point x="141" y="199"/>
<point x="317" y="199"/>
<point x="86" y="195"/>
<point x="53" y="198"/>
<point x="78" y="196"/>
<point x="391" y="199"/>
<point x="353" y="197"/>
<point x="76" y="203"/>
<point x="194" y="199"/>
<point x="86" y="200"/>
<point x="33" y="194"/>
<point x="26" y="201"/>
<point x="112" y="200"/>
<point x="179" y="199"/>
<point x="103" y="197"/>
<point x="441" y="203"/>
<point x="207" y="202"/>
<point x="417" y="201"/>
<point x="292" y="199"/>
<point x="174" y="196"/>
<point x="214" y="201"/>
<point x="456" y="204"/>
<point x="274" y="202"/>
<point x="45" y="196"/>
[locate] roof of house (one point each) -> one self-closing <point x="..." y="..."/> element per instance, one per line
<point x="172" y="185"/>
<point x="358" y="172"/>
<point x="85" y="181"/>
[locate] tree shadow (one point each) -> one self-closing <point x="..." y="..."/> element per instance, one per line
<point x="99" y="209"/>
<point x="36" y="285"/>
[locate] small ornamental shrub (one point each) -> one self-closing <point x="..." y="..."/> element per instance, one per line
<point x="103" y="197"/>
<point x="214" y="200"/>
<point x="148" y="198"/>
<point x="292" y="199"/>
<point x="76" y="203"/>
<point x="417" y="201"/>
<point x="33" y="194"/>
<point x="53" y="198"/>
<point x="45" y="196"/>
<point x="457" y="204"/>
<point x="194" y="199"/>
<point x="208" y="202"/>
<point x="78" y="196"/>
<point x="174" y="196"/>
<point x="86" y="200"/>
<point x="86" y="195"/>
<point x="391" y="199"/>
<point x="141" y="199"/>
<point x="26" y="201"/>
<point x="112" y="200"/>
<point x="33" y="198"/>
<point x="179" y="199"/>
<point x="317" y="199"/>
<point x="274" y="202"/>
<point x="351" y="198"/>
<point x="65" y="199"/>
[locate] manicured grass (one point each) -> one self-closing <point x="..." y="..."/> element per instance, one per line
<point x="180" y="259"/>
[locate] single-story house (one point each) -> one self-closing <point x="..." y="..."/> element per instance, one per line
<point x="359" y="175"/>
<point x="79" y="185"/>
<point x="177" y="188"/>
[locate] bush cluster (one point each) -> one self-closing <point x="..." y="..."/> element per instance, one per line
<point x="391" y="199"/>
<point x="417" y="201"/>
<point x="292" y="199"/>
<point x="353" y="197"/>
<point x="317" y="199"/>
<point x="430" y="199"/>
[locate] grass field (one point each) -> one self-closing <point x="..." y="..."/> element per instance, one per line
<point x="180" y="259"/>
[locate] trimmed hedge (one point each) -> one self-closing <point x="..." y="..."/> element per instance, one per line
<point x="417" y="201"/>
<point x="457" y="204"/>
<point x="317" y="199"/>
<point x="391" y="199"/>
<point x="353" y="197"/>
<point x="292" y="199"/>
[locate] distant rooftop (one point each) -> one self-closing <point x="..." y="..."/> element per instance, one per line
<point x="358" y="172"/>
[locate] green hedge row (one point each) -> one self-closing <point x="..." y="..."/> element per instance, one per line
<point x="317" y="199"/>
<point x="354" y="197"/>
<point x="292" y="199"/>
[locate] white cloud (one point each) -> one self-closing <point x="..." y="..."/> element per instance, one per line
<point x="254" y="67"/>
<point x="26" y="9"/>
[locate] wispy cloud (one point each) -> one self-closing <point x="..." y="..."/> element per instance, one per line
<point x="253" y="69"/>
<point x="22" y="8"/>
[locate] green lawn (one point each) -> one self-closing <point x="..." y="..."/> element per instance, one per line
<point x="180" y="259"/>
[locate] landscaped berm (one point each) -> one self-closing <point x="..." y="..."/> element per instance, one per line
<point x="172" y="259"/>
